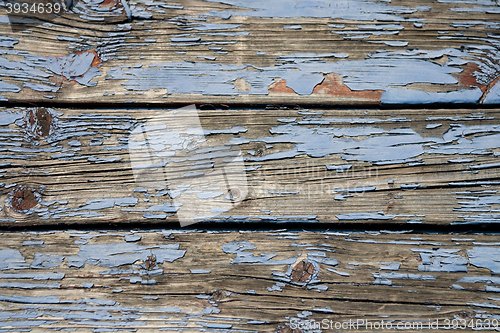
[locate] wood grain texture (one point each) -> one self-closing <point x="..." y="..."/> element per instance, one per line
<point x="230" y="51"/>
<point x="244" y="281"/>
<point x="153" y="163"/>
<point x="405" y="167"/>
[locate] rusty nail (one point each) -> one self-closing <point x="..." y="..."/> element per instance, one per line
<point x="24" y="198"/>
<point x="38" y="123"/>
<point x="302" y="271"/>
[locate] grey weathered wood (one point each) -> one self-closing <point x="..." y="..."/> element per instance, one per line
<point x="359" y="53"/>
<point x="64" y="165"/>
<point x="249" y="281"/>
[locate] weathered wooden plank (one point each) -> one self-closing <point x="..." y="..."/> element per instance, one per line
<point x="281" y="51"/>
<point x="245" y="281"/>
<point x="431" y="167"/>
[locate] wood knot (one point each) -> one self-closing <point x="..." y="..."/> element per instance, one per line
<point x="24" y="198"/>
<point x="39" y="123"/>
<point x="303" y="271"/>
<point x="463" y="315"/>
<point x="235" y="194"/>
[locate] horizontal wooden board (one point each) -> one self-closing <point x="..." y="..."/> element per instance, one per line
<point x="276" y="281"/>
<point x="231" y="51"/>
<point x="406" y="167"/>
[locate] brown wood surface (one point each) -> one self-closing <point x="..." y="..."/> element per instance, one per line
<point x="74" y="166"/>
<point x="244" y="281"/>
<point x="357" y="52"/>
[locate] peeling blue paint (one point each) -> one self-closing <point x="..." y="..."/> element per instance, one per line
<point x="358" y="10"/>
<point x="485" y="257"/>
<point x="33" y="242"/>
<point x="413" y="96"/>
<point x="6" y="41"/>
<point x="292" y="27"/>
<point x="246" y="258"/>
<point x="132" y="237"/>
<point x="12" y="259"/>
<point x="34" y="276"/>
<point x="345" y="274"/>
<point x="117" y="254"/>
<point x="381" y="70"/>
<point x="441" y="260"/>
<point x="9" y="117"/>
<point x="29" y="285"/>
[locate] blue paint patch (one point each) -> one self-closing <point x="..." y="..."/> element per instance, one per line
<point x="357" y="189"/>
<point x="339" y="168"/>
<point x="46" y="260"/>
<point x="33" y="242"/>
<point x="154" y="216"/>
<point x="392" y="266"/>
<point x="210" y="310"/>
<point x="74" y="67"/>
<point x="412" y="96"/>
<point x="365" y="216"/>
<point x="485" y="257"/>
<point x="28" y="285"/>
<point x="117" y="254"/>
<point x="34" y="276"/>
<point x="480" y="9"/>
<point x="9" y="87"/>
<point x="375" y="73"/>
<point x="358" y="10"/>
<point x="276" y="287"/>
<point x="6" y="41"/>
<point x="185" y="39"/>
<point x="345" y="274"/>
<point x="133" y="237"/>
<point x="214" y="325"/>
<point x="247" y="258"/>
<point x="69" y="39"/>
<point x="96" y="204"/>
<point x="40" y="87"/>
<point x="384" y="278"/>
<point x="74" y="143"/>
<point x="239" y="246"/>
<point x="320" y="257"/>
<point x="292" y="27"/>
<point x="441" y="260"/>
